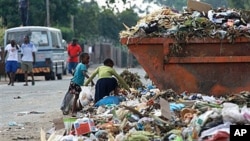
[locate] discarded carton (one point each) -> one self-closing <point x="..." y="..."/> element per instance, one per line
<point x="84" y="126"/>
<point x="198" y="6"/>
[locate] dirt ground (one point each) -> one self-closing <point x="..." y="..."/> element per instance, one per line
<point x="30" y="129"/>
<point x="25" y="110"/>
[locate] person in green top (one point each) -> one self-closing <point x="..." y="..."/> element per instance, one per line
<point x="106" y="83"/>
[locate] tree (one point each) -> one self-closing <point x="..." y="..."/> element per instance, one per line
<point x="239" y="4"/>
<point x="86" y="21"/>
<point x="37" y="12"/>
<point x="61" y="11"/>
<point x="108" y="25"/>
<point x="9" y="14"/>
<point x="128" y="17"/>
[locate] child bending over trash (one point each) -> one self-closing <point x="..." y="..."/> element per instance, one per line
<point x="106" y="83"/>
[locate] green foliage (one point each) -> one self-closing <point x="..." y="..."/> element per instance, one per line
<point x="239" y="4"/>
<point x="37" y="13"/>
<point x="86" y="22"/>
<point x="108" y="25"/>
<point x="132" y="79"/>
<point x="67" y="33"/>
<point x="61" y="11"/>
<point x="128" y="17"/>
<point x="2" y="30"/>
<point x="9" y="13"/>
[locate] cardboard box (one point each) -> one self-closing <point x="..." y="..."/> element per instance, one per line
<point x="84" y="126"/>
<point x="193" y="5"/>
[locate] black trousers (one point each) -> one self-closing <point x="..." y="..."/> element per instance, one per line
<point x="103" y="87"/>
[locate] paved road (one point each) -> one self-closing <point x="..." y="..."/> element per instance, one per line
<point x="45" y="96"/>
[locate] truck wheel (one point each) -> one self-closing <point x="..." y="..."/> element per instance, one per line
<point x="52" y="76"/>
<point x="47" y="77"/>
<point x="59" y="76"/>
<point x="65" y="72"/>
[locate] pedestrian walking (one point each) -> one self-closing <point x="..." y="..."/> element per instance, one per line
<point x="11" y="57"/>
<point x="28" y="59"/>
<point x="74" y="49"/>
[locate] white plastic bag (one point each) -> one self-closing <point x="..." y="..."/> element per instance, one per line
<point x="87" y="94"/>
<point x="231" y="113"/>
<point x="246" y="113"/>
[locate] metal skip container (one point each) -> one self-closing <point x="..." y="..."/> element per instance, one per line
<point x="199" y="65"/>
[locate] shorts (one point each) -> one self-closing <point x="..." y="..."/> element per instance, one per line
<point x="27" y="66"/>
<point x="11" y="66"/>
<point x="74" y="88"/>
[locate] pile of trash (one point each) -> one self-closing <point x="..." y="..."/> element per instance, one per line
<point x="152" y="115"/>
<point x="221" y="23"/>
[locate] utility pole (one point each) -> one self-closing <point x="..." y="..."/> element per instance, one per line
<point x="47" y="11"/>
<point x="72" y="22"/>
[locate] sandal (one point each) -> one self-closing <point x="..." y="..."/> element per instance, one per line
<point x="33" y="83"/>
<point x="65" y="113"/>
<point x="73" y="114"/>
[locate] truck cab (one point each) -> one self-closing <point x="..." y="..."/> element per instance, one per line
<point x="50" y="56"/>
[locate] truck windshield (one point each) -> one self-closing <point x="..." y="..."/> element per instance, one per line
<point x="39" y="38"/>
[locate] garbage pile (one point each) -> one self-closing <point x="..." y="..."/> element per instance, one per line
<point x="154" y="115"/>
<point x="218" y="23"/>
<point x="150" y="114"/>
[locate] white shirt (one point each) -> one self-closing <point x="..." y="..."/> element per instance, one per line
<point x="27" y="50"/>
<point x="12" y="53"/>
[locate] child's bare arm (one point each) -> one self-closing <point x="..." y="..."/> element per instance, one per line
<point x="87" y="76"/>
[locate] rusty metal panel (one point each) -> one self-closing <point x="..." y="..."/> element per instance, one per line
<point x="35" y="70"/>
<point x="206" y="65"/>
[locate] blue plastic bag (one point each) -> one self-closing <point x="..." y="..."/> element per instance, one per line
<point x="110" y="100"/>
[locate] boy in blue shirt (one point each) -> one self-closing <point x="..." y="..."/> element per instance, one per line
<point x="76" y="83"/>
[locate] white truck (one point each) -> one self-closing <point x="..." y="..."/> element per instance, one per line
<point x="50" y="56"/>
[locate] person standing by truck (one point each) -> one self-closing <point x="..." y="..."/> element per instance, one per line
<point x="11" y="56"/>
<point x="28" y="59"/>
<point x="74" y="50"/>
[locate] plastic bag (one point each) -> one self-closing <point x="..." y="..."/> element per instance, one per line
<point x="87" y="94"/>
<point x="231" y="113"/>
<point x="246" y="113"/>
<point x="109" y="100"/>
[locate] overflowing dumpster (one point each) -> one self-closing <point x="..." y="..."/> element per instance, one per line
<point x="200" y="49"/>
<point x="205" y="65"/>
